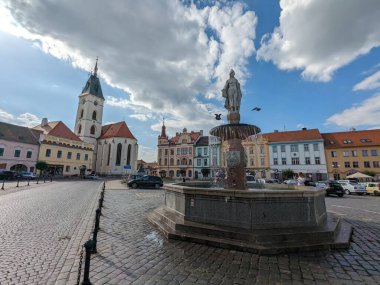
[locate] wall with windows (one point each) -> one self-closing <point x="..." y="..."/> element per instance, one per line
<point x="257" y="152"/>
<point x="307" y="157"/>
<point x="15" y="153"/>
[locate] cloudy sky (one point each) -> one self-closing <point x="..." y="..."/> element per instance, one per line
<point x="306" y="63"/>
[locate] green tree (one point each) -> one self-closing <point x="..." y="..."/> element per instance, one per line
<point x="205" y="172"/>
<point x="288" y="174"/>
<point x="41" y="166"/>
<point x="369" y="172"/>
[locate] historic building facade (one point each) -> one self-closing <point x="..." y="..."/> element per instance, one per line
<point x="175" y="155"/>
<point x="257" y="151"/>
<point x="64" y="152"/>
<point x="353" y="151"/>
<point x="301" y="151"/>
<point x="19" y="147"/>
<point x="115" y="147"/>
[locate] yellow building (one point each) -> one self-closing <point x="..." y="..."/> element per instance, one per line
<point x="353" y="151"/>
<point x="257" y="151"/>
<point x="63" y="151"/>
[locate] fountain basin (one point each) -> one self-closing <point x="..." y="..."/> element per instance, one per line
<point x="234" y="131"/>
<point x="259" y="221"/>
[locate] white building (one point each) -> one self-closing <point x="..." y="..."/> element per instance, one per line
<point x="115" y="147"/>
<point x="206" y="157"/>
<point x="301" y="151"/>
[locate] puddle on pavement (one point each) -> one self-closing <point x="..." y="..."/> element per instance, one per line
<point x="155" y="238"/>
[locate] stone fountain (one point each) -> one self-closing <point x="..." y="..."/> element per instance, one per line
<point x="266" y="221"/>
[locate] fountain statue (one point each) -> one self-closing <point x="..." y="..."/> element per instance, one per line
<point x="277" y="219"/>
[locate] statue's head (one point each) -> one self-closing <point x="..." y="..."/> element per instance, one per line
<point x="232" y="73"/>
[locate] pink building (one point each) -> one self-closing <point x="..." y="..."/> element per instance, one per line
<point x="18" y="147"/>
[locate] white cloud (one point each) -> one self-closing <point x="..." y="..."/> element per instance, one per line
<point x="319" y="37"/>
<point x="147" y="153"/>
<point x="169" y="57"/>
<point x="140" y="117"/>
<point x="369" y="83"/>
<point x="25" y="119"/>
<point x="365" y="114"/>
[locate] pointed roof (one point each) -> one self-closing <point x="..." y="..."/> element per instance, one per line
<point x="93" y="84"/>
<point x="14" y="133"/>
<point x="58" y="129"/>
<point x="116" y="130"/>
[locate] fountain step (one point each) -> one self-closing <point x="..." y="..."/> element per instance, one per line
<point x="334" y="234"/>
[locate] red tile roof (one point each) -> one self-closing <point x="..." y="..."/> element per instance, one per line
<point x="193" y="136"/>
<point x="58" y="129"/>
<point x="293" y="136"/>
<point x="352" y="139"/>
<point x="116" y="130"/>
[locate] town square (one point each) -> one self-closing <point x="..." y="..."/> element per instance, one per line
<point x="190" y="142"/>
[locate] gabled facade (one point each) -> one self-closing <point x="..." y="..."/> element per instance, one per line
<point x="257" y="152"/>
<point x="301" y="151"/>
<point x="353" y="151"/>
<point x="19" y="147"/>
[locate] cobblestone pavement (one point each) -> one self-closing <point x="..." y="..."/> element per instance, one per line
<point x="42" y="229"/>
<point x="132" y="251"/>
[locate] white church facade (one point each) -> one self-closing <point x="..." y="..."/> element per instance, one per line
<point x="115" y="147"/>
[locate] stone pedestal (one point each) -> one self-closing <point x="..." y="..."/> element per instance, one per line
<point x="235" y="165"/>
<point x="233" y="117"/>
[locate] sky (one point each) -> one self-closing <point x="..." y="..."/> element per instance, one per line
<point x="305" y="63"/>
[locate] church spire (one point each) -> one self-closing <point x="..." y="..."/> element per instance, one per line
<point x="163" y="129"/>
<point x="96" y="67"/>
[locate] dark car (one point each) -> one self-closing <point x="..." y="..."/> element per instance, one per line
<point x="8" y="175"/>
<point x="333" y="187"/>
<point x="146" y="181"/>
<point x="310" y="183"/>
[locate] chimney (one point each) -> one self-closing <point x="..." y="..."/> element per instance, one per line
<point x="276" y="131"/>
<point x="44" y="122"/>
<point x="201" y="131"/>
<point x="304" y="129"/>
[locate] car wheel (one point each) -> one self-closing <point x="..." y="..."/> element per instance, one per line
<point x="134" y="185"/>
<point x="360" y="194"/>
<point x="376" y="193"/>
<point x="157" y="186"/>
<point x="348" y="192"/>
<point x="340" y="195"/>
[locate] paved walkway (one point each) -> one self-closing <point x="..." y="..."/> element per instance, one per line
<point x="132" y="251"/>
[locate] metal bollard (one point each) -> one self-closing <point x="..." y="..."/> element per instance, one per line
<point x="18" y="181"/>
<point x="28" y="181"/>
<point x="104" y="185"/>
<point x="51" y="178"/>
<point x="88" y="246"/>
<point x="37" y="180"/>
<point x="2" y="187"/>
<point x="96" y="229"/>
<point x="44" y="179"/>
<point x="100" y="205"/>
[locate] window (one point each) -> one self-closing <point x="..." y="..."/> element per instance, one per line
<point x="262" y="160"/>
<point x="275" y="161"/>
<point x="48" y="152"/>
<point x="109" y="155"/>
<point x="283" y="148"/>
<point x="94" y="115"/>
<point x="316" y="147"/>
<point x="365" y="140"/>
<point x="199" y="151"/>
<point x="129" y="149"/>
<point x="346" y="154"/>
<point x="374" y="152"/>
<point x="177" y="161"/>
<point x="347" y="141"/>
<point x="166" y="151"/>
<point x="261" y="149"/>
<point x="364" y="152"/>
<point x="190" y="150"/>
<point x="92" y="130"/>
<point x="250" y="150"/>
<point x="69" y="155"/>
<point x="283" y="160"/>
<point x="78" y="156"/>
<point x="190" y="173"/>
<point x="306" y="147"/>
<point x="59" y="154"/>
<point x="199" y="162"/>
<point x="81" y="114"/>
<point x="160" y="161"/>
<point x="160" y="152"/>
<point x="307" y="160"/>
<point x="317" y="160"/>
<point x="28" y="154"/>
<point x="79" y="128"/>
<point x="354" y="153"/>
<point x="347" y="164"/>
<point x="86" y="157"/>
<point x="1" y="151"/>
<point x="67" y="168"/>
<point x="184" y="141"/>
<point x="178" y="151"/>
<point x="171" y="152"/>
<point x="375" y="164"/>
<point x="295" y="161"/>
<point x="190" y="162"/>
<point x="205" y="162"/>
<point x="334" y="154"/>
<point x="335" y="164"/>
<point x="355" y="164"/>
<point x="274" y="148"/>
<point x="252" y="162"/>
<point x="367" y="164"/>
<point x="294" y="148"/>
<point x="118" y="154"/>
<point x="205" y="151"/>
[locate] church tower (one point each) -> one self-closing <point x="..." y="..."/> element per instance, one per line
<point x="88" y="124"/>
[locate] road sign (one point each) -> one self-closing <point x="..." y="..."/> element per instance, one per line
<point x="127" y="166"/>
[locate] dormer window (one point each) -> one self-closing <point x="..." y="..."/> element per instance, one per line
<point x="347" y="141"/>
<point x="365" y="140"/>
<point x="332" y="142"/>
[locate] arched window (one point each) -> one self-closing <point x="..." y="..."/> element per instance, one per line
<point x="177" y="161"/>
<point x="109" y="154"/>
<point x="129" y="154"/>
<point x="190" y="162"/>
<point x="171" y="173"/>
<point x="81" y="114"/>
<point x="94" y="115"/>
<point x="171" y="163"/>
<point x="118" y="153"/>
<point x="79" y="129"/>
<point x="92" y="130"/>
<point x="184" y="161"/>
<point x="190" y="173"/>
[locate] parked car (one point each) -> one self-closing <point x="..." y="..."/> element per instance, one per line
<point x="7" y="175"/>
<point x="28" y="175"/>
<point x="310" y="183"/>
<point x="321" y="184"/>
<point x="272" y="181"/>
<point x="373" y="188"/>
<point x="352" y="187"/>
<point x="291" y="182"/>
<point x="146" y="181"/>
<point x="250" y="178"/>
<point x="92" y="176"/>
<point x="333" y="187"/>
